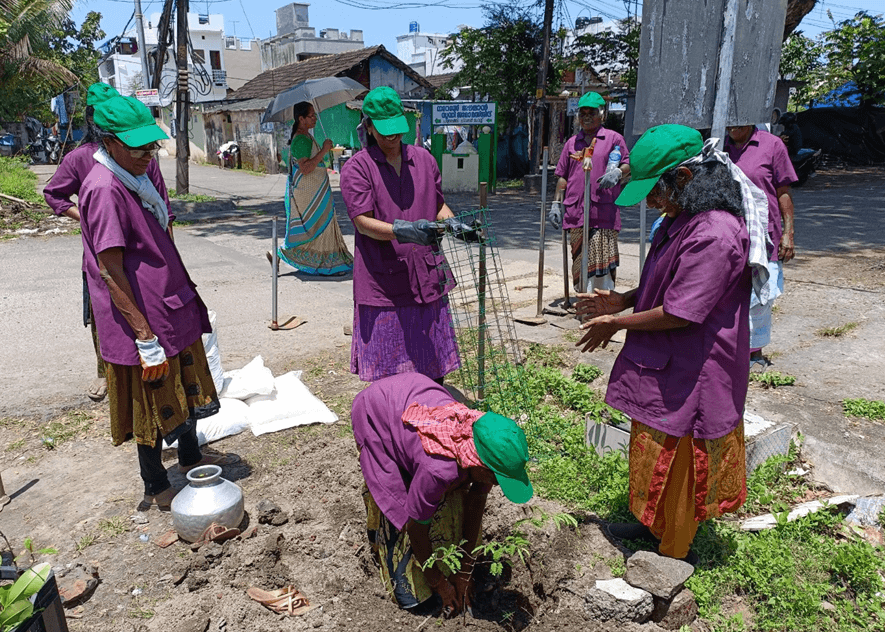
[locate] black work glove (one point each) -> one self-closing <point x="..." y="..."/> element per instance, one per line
<point x="418" y="232"/>
<point x="460" y="230"/>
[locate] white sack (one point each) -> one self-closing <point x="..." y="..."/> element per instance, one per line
<point x="291" y="405"/>
<point x="213" y="354"/>
<point x="231" y="419"/>
<point x="253" y="379"/>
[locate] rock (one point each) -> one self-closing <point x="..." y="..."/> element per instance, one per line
<point x="672" y="614"/>
<point x="77" y="585"/>
<point x="195" y="583"/>
<point x="662" y="576"/>
<point x="300" y="515"/>
<point x="826" y="606"/>
<point x="270" y="513"/>
<point x="212" y="551"/>
<point x="139" y="519"/>
<point x="251" y="532"/>
<point x="616" y="600"/>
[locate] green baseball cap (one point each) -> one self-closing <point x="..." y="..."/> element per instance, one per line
<point x="99" y="92"/>
<point x="591" y="100"/>
<point x="657" y="151"/>
<point x="128" y="119"/>
<point x="501" y="445"/>
<point x="383" y="107"/>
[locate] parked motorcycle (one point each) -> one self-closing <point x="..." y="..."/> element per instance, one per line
<point x="805" y="164"/>
<point x="804" y="160"/>
<point x="46" y="146"/>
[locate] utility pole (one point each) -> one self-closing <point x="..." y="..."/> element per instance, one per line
<point x="540" y="94"/>
<point x="139" y="32"/>
<point x="182" y="103"/>
<point x="163" y="40"/>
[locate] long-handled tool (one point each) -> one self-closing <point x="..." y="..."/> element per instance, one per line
<point x="294" y="321"/>
<point x="585" y="246"/>
<point x="538" y="319"/>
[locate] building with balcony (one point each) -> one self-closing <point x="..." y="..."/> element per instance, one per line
<point x="296" y="40"/>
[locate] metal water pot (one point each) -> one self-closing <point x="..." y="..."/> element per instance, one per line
<point x="207" y="499"/>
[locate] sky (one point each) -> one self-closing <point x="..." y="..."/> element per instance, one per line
<point x="382" y="20"/>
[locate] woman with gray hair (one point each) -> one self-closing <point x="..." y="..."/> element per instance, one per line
<point x="682" y="374"/>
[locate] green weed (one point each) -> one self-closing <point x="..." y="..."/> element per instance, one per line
<point x="773" y="379"/>
<point x="617" y="566"/>
<point x="15" y="446"/>
<point x="868" y="408"/>
<point x="57" y="432"/>
<point x="19" y="181"/>
<point x="190" y="197"/>
<point x="586" y="373"/>
<point x="836" y="332"/>
<point x="86" y="541"/>
<point x="543" y="355"/>
<point x="510" y="184"/>
<point x="113" y="526"/>
<point x="770" y="485"/>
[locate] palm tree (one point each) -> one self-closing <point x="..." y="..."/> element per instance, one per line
<point x="21" y="23"/>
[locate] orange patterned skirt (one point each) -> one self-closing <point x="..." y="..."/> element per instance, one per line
<point x="720" y="472"/>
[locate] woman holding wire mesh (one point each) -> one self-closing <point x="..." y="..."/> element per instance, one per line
<point x="393" y="194"/>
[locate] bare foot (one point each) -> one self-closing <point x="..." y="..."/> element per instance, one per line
<point x="98" y="389"/>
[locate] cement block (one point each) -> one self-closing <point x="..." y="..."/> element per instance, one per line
<point x="616" y="600"/>
<point x="662" y="576"/>
<point x="764" y="439"/>
<point x="606" y="437"/>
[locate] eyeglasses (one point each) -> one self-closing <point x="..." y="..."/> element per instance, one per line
<point x="139" y="152"/>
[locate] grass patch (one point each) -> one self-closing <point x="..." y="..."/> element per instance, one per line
<point x="773" y="379"/>
<point x="867" y="408"/>
<point x="113" y="527"/>
<point x="510" y="184"/>
<point x="252" y="172"/>
<point x="190" y="197"/>
<point x="19" y="181"/>
<point x="836" y="332"/>
<point x="57" y="432"/>
<point x="86" y="541"/>
<point x="15" y="446"/>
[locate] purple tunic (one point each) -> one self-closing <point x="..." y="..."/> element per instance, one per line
<point x="603" y="212"/>
<point x="765" y="161"/>
<point x="111" y="216"/>
<point x="70" y="175"/>
<point x="388" y="273"/>
<point x="404" y="480"/>
<point x="690" y="380"/>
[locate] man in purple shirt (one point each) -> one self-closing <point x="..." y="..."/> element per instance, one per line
<point x="592" y="150"/>
<point x="429" y="464"/>
<point x="66" y="183"/>
<point x="147" y="312"/>
<point x="764" y="158"/>
<point x="683" y="372"/>
<point x="393" y="194"/>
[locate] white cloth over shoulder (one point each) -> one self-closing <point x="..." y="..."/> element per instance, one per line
<point x="755" y="205"/>
<point x="140" y="185"/>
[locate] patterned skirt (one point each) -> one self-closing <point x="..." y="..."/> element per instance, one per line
<point x="602" y="257"/>
<point x="720" y="472"/>
<point x="139" y="408"/>
<point x="413" y="339"/>
<point x="400" y="571"/>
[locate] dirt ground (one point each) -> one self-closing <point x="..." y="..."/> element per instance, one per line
<point x="85" y="500"/>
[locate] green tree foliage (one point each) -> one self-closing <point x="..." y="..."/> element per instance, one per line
<point x="855" y="51"/>
<point x="802" y="60"/>
<point x="501" y="59"/>
<point x="613" y="51"/>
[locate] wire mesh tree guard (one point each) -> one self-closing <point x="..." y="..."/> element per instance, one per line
<point x="491" y="363"/>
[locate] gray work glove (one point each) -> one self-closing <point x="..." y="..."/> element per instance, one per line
<point x="418" y="232"/>
<point x="460" y="230"/>
<point x="610" y="178"/>
<point x="555" y="214"/>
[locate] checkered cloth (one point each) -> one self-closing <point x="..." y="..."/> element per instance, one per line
<point x="446" y="431"/>
<point x="755" y="215"/>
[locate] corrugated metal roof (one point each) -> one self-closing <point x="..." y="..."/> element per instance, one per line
<point x="239" y="106"/>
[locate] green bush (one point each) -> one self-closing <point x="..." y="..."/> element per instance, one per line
<point x="19" y="181"/>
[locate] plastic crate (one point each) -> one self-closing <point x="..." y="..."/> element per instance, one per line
<point x="49" y="615"/>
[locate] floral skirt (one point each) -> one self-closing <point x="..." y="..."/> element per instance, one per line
<point x="400" y="571"/>
<point x="602" y="256"/>
<point x="719" y="479"/>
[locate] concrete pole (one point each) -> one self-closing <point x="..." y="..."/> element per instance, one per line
<point x="182" y="104"/>
<point x="726" y="66"/>
<point x="139" y="32"/>
<point x="541" y="92"/>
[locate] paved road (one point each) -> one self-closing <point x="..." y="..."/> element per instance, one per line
<point x="47" y="360"/>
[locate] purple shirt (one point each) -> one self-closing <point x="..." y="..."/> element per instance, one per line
<point x="691" y="380"/>
<point x="388" y="273"/>
<point x="404" y="480"/>
<point x="70" y="175"/>
<point x="111" y="216"/>
<point x="765" y="161"/>
<point x="603" y="212"/>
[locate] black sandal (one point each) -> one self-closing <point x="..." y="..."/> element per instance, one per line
<point x="163" y="501"/>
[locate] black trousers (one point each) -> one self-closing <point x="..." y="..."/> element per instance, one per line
<point x="150" y="460"/>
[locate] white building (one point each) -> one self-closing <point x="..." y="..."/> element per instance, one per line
<point x="121" y="66"/>
<point x="423" y="51"/>
<point x="296" y="40"/>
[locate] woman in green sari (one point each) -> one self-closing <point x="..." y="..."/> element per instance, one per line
<point x="313" y="244"/>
